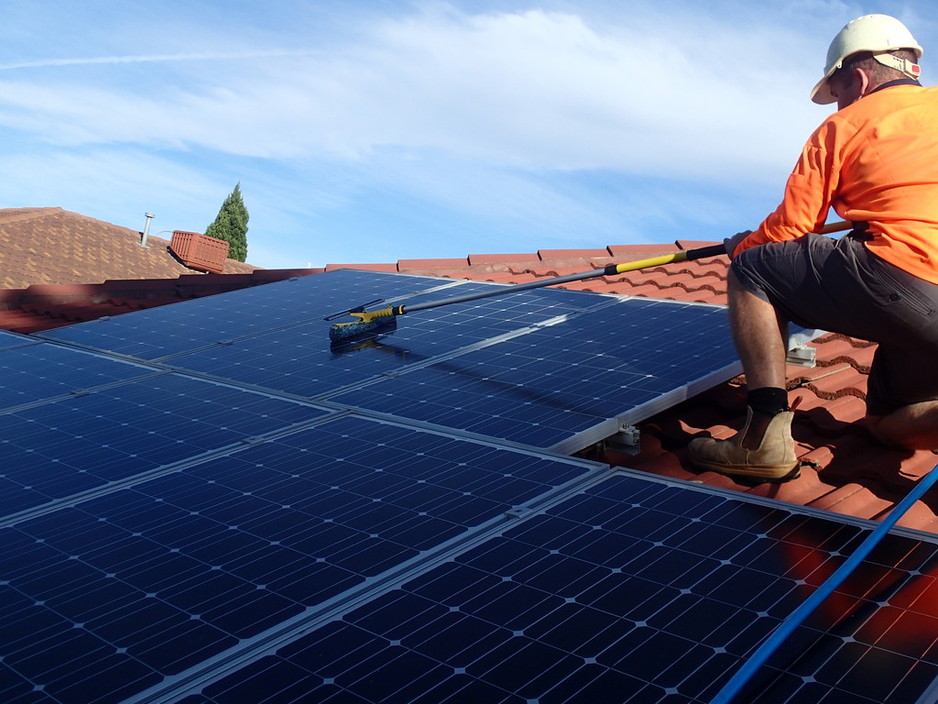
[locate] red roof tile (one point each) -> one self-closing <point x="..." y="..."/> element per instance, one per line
<point x="411" y="265"/>
<point x="392" y="268"/>
<point x="576" y="254"/>
<point x="478" y="259"/>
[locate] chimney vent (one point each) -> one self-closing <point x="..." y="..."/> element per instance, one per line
<point x="146" y="229"/>
<point x="198" y="251"/>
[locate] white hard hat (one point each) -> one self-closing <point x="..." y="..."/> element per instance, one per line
<point x="875" y="33"/>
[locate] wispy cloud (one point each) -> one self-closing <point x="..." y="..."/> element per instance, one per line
<point x="532" y="90"/>
<point x="147" y="58"/>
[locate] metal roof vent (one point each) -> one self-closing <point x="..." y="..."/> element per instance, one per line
<point x="146" y="229"/>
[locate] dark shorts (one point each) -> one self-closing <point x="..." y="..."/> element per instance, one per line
<point x="839" y="286"/>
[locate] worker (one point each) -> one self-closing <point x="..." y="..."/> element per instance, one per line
<point x="875" y="162"/>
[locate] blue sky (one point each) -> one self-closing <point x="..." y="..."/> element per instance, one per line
<point x="372" y="131"/>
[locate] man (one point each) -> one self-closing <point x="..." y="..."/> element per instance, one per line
<point x="875" y="162"/>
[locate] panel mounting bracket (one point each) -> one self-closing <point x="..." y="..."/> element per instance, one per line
<point x="627" y="440"/>
<point x="802" y="356"/>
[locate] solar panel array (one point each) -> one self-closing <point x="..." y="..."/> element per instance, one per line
<point x="108" y="594"/>
<point x="595" y="372"/>
<point x="551" y="368"/>
<point x="208" y="503"/>
<point x="632" y="591"/>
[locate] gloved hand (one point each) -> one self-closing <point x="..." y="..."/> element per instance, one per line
<point x="731" y="243"/>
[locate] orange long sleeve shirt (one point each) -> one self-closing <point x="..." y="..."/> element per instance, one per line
<point x="874" y="161"/>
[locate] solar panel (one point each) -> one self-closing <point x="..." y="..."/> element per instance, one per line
<point x="134" y="586"/>
<point x="567" y="385"/>
<point x="11" y="339"/>
<point x="552" y="368"/>
<point x="35" y="372"/>
<point x="188" y="325"/>
<point x="299" y="360"/>
<point x="633" y="591"/>
<point x="76" y="443"/>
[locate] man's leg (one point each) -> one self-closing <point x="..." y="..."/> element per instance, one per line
<point x="764" y="448"/>
<point x="760" y="335"/>
<point x="761" y="339"/>
<point x="913" y="427"/>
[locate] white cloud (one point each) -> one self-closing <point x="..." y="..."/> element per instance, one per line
<point x="113" y="185"/>
<point x="534" y="89"/>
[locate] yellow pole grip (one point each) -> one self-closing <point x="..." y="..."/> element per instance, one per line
<point x="366" y="316"/>
<point x="653" y="261"/>
<point x="834" y="227"/>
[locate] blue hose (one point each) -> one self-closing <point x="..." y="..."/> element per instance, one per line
<point x="788" y="626"/>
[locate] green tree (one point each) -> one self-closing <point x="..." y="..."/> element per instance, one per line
<point x="231" y="225"/>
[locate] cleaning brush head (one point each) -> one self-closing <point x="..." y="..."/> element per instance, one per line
<point x="347" y="332"/>
<point x="368" y="323"/>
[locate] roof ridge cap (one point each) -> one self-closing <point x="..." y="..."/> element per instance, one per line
<point x="11" y="215"/>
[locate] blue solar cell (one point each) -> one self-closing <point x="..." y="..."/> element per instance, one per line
<point x="74" y="444"/>
<point x="573" y="606"/>
<point x="12" y="339"/>
<point x="556" y="382"/>
<point x="162" y="575"/>
<point x="40" y="371"/>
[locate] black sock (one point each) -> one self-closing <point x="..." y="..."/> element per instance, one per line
<point x="769" y="401"/>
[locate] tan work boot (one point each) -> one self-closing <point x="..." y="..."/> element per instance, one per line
<point x="773" y="460"/>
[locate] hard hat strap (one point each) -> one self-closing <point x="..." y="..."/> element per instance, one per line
<point x="910" y="69"/>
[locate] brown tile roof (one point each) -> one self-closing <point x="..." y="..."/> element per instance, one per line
<point x="56" y="246"/>
<point x="843" y="469"/>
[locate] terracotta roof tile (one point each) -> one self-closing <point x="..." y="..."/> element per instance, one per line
<point x="392" y="268"/>
<point x="505" y="278"/>
<point x="577" y="254"/>
<point x="629" y="252"/>
<point x="479" y="259"/>
<point x="412" y="265"/>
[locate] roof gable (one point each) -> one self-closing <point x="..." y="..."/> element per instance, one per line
<point x="56" y="246"/>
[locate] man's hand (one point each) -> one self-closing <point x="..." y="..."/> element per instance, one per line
<point x="731" y="243"/>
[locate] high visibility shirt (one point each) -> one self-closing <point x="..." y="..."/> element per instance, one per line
<point x="874" y="161"/>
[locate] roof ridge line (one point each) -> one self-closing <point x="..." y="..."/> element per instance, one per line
<point x="11" y="215"/>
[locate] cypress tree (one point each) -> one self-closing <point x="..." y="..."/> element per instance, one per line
<point x="231" y="225"/>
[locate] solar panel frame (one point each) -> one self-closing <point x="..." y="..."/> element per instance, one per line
<point x="9" y="339"/>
